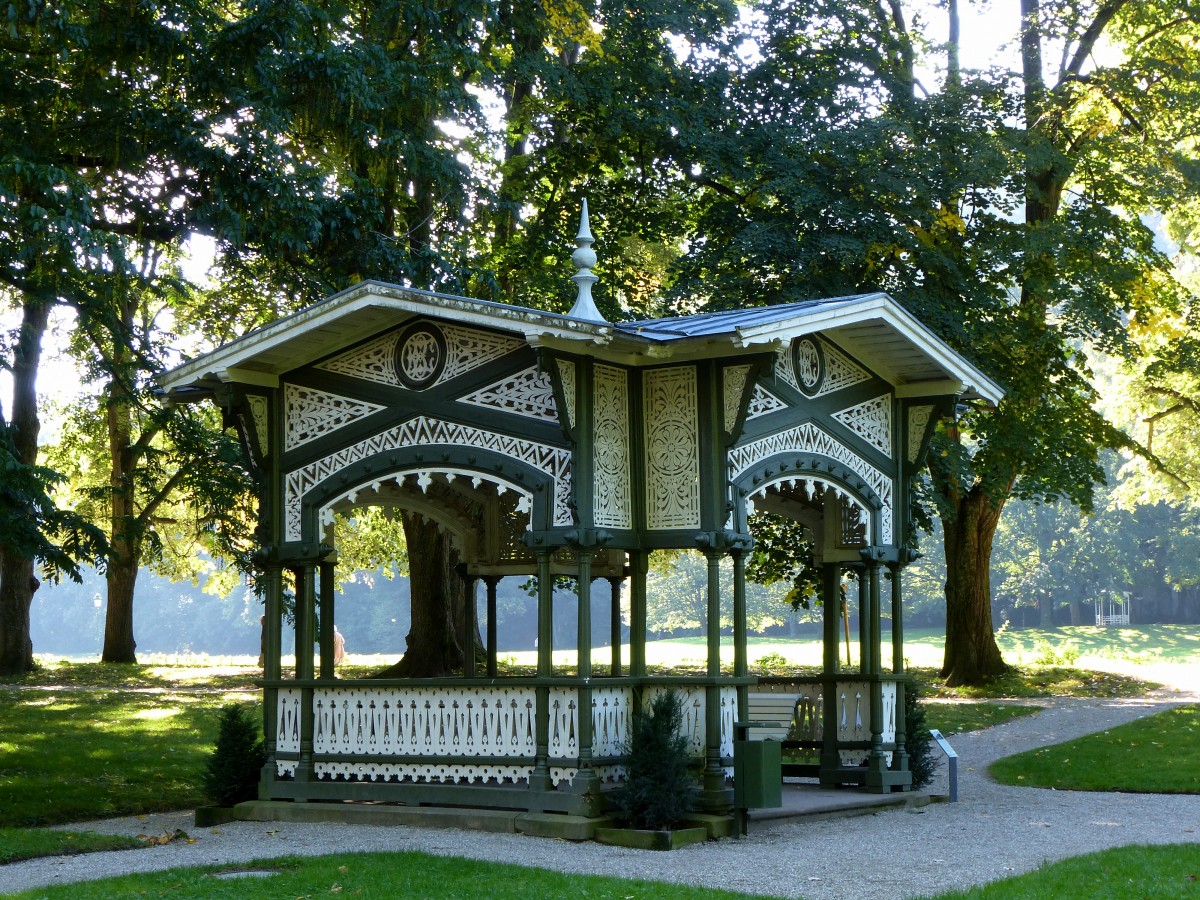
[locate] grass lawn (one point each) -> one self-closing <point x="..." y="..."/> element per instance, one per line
<point x="1166" y="872"/>
<point x="1154" y="873"/>
<point x="69" y="755"/>
<point x="377" y="875"/>
<point x="1159" y="754"/>
<point x="960" y="717"/>
<point x="29" y="843"/>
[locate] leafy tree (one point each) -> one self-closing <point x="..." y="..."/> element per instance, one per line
<point x="1004" y="208"/>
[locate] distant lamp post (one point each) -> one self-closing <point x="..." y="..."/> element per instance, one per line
<point x="97" y="600"/>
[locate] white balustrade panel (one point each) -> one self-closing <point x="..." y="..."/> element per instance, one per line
<point x="854" y="717"/>
<point x="287" y="720"/>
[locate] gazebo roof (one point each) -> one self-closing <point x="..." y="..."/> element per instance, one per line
<point x="873" y="327"/>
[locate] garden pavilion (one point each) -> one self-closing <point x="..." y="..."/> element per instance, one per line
<point x="550" y="444"/>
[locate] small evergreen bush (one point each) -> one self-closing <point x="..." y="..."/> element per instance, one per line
<point x="235" y="765"/>
<point x="922" y="759"/>
<point x="659" y="791"/>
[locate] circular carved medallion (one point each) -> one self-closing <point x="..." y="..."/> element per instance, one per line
<point x="420" y="356"/>
<point x="808" y="362"/>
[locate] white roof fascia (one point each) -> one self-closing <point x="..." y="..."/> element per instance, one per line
<point x="228" y="362"/>
<point x="883" y="308"/>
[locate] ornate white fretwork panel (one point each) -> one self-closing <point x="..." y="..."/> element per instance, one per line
<point x="527" y="393"/>
<point x="855" y="518"/>
<point x="258" y="411"/>
<point x="312" y="413"/>
<point x="918" y="422"/>
<point x="783" y="369"/>
<point x="808" y="438"/>
<point x="566" y="374"/>
<point x="672" y="448"/>
<point x="611" y="493"/>
<point x="854" y="717"/>
<point x="735" y="386"/>
<point x="840" y="371"/>
<point x="871" y="421"/>
<point x="426" y="432"/>
<point x="454" y="728"/>
<point x="763" y="403"/>
<point x="465" y="349"/>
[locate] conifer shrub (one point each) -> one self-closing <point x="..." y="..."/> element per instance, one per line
<point x="659" y="790"/>
<point x="922" y="759"/>
<point x="233" y="770"/>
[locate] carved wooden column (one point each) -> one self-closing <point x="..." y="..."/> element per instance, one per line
<point x="305" y="575"/>
<point x="539" y="779"/>
<point x="326" y="569"/>
<point x="491" y="581"/>
<point x="614" y="624"/>
<point x="713" y="796"/>
<point x="272" y="640"/>
<point x="831" y="615"/>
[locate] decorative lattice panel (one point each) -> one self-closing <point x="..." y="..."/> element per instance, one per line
<point x="465" y="349"/>
<point x="258" y="411"/>
<point x="763" y="403"/>
<point x="566" y="374"/>
<point x="734" y="383"/>
<point x="871" y="421"/>
<point x="808" y="438"/>
<point x="527" y="393"/>
<point x="611" y="492"/>
<point x="918" y="422"/>
<point x="311" y="414"/>
<point x="672" y="448"/>
<point x="840" y="371"/>
<point x="427" y="432"/>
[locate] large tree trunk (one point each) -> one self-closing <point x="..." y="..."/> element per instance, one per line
<point x="119" y="645"/>
<point x="972" y="656"/>
<point x="126" y="540"/>
<point x="17" y="580"/>
<point x="439" y="597"/>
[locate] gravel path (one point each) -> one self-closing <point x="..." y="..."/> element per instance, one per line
<point x="993" y="831"/>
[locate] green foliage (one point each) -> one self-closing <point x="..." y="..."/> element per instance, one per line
<point x="34" y="526"/>
<point x="234" y="769"/>
<point x="923" y="759"/>
<point x="658" y="791"/>
<point x="1158" y="754"/>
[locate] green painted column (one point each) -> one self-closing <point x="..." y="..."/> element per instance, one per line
<point x="272" y="640"/>
<point x="741" y="662"/>
<point x="539" y="779"/>
<point x="585" y="779"/>
<point x="470" y="626"/>
<point x="639" y="565"/>
<point x="491" y="581"/>
<point x="877" y="761"/>
<point x="831" y="618"/>
<point x="900" y="757"/>
<point x="864" y="623"/>
<point x="305" y="574"/>
<point x="614" y="624"/>
<point x="326" y="570"/>
<point x="714" y="795"/>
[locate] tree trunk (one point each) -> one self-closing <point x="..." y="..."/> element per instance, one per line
<point x="126" y="540"/>
<point x="1045" y="611"/>
<point x="972" y="656"/>
<point x="17" y="580"/>
<point x="119" y="645"/>
<point x="439" y="597"/>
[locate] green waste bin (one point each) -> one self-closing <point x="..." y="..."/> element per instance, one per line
<point x="757" y="774"/>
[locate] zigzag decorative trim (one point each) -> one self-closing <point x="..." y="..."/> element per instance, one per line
<point x="427" y="432"/>
<point x="808" y="438"/>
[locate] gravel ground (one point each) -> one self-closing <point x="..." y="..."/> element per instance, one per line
<point x="992" y="832"/>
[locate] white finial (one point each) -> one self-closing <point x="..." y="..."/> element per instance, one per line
<point x="584" y="258"/>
